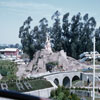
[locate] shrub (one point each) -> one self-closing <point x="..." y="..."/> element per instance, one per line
<point x="3" y="72"/>
<point x="62" y="93"/>
<point x="51" y="65"/>
<point x="8" y="69"/>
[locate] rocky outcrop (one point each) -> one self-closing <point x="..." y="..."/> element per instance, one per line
<point x="41" y="58"/>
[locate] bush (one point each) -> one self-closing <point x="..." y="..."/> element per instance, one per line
<point x="3" y="72"/>
<point x="51" y="65"/>
<point x="8" y="69"/>
<point x="52" y="94"/>
<point x="62" y="93"/>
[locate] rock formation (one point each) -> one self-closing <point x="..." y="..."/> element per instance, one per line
<point x="46" y="56"/>
<point x="65" y="63"/>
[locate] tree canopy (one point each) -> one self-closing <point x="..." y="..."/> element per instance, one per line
<point x="33" y="39"/>
<point x="72" y="34"/>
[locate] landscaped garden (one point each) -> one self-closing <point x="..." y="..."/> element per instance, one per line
<point x="8" y="69"/>
<point x="9" y="80"/>
<point x="35" y="84"/>
<point x="26" y="85"/>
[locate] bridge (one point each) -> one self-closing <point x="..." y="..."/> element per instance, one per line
<point x="63" y="78"/>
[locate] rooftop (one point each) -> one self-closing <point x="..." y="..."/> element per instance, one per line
<point x="8" y="49"/>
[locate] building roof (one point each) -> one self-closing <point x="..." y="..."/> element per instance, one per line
<point x="9" y="49"/>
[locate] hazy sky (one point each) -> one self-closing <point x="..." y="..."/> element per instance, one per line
<point x="14" y="12"/>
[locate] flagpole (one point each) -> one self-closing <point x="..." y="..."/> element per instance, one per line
<point x="94" y="67"/>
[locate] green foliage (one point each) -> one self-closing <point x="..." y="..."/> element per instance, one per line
<point x="11" y="46"/>
<point x="51" y="65"/>
<point x="3" y="72"/>
<point x="73" y="36"/>
<point x="62" y="93"/>
<point x="33" y="39"/>
<point x="52" y="93"/>
<point x="42" y="84"/>
<point x="8" y="69"/>
<point x="97" y="33"/>
<point x="77" y="34"/>
<point x="26" y="38"/>
<point x="56" y="32"/>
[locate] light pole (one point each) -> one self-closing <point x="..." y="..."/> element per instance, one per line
<point x="94" y="67"/>
<point x="88" y="83"/>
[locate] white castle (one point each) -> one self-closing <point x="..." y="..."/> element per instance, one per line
<point x="48" y="44"/>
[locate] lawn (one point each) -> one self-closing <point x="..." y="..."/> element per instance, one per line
<point x="36" y="84"/>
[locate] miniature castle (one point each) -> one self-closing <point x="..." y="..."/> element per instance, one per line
<point x="48" y="44"/>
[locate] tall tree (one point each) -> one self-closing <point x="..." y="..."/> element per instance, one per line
<point x="74" y="37"/>
<point x="66" y="34"/>
<point x="43" y="31"/>
<point x="87" y="32"/>
<point x="56" y="32"/>
<point x="74" y="32"/>
<point x="17" y="45"/>
<point x="97" y="35"/>
<point x="33" y="39"/>
<point x="26" y="38"/>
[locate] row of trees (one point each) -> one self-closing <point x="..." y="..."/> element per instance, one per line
<point x="72" y="34"/>
<point x="11" y="46"/>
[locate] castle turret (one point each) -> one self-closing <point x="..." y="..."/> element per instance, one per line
<point x="48" y="44"/>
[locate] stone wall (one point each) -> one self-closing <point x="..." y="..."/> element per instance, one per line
<point x="45" y="93"/>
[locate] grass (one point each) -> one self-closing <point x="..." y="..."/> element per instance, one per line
<point x="35" y="83"/>
<point x="40" y="84"/>
<point x="90" y="98"/>
<point x="74" y="82"/>
<point x="78" y="83"/>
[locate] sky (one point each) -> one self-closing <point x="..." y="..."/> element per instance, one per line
<point x="14" y="12"/>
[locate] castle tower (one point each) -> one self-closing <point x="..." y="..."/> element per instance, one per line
<point x="48" y="44"/>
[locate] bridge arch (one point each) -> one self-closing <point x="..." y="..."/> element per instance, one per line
<point x="66" y="82"/>
<point x="75" y="78"/>
<point x="56" y="81"/>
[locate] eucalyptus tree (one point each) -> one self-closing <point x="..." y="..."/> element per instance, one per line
<point x="56" y="32"/>
<point x="26" y="38"/>
<point x="74" y="33"/>
<point x="66" y="34"/>
<point x="39" y="34"/>
<point x="97" y="35"/>
<point x="89" y="25"/>
<point x="43" y="31"/>
<point x="74" y="37"/>
<point x="33" y="39"/>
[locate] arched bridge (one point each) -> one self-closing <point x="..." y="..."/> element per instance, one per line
<point x="63" y="78"/>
